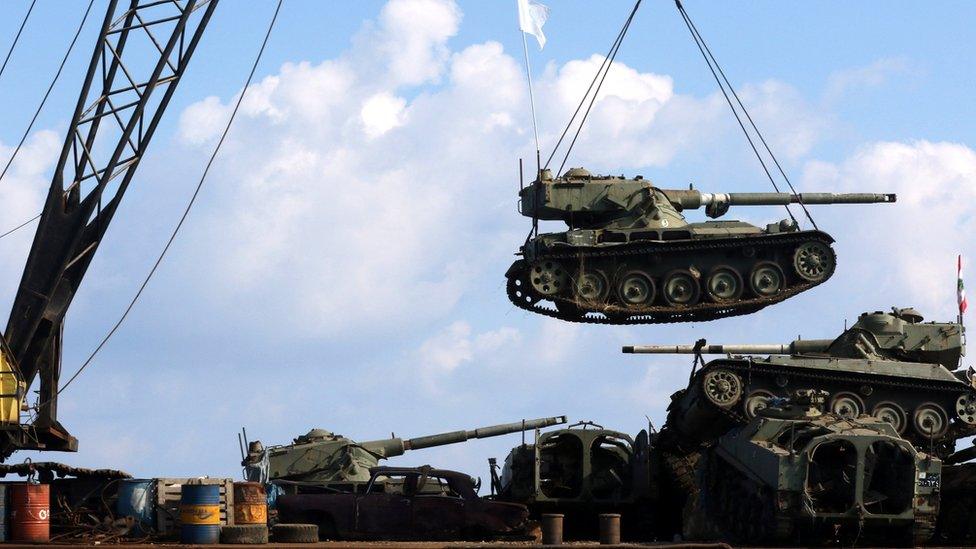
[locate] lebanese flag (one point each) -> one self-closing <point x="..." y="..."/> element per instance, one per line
<point x="960" y="289"/>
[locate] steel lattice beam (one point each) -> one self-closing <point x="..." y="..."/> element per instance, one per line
<point x="139" y="58"/>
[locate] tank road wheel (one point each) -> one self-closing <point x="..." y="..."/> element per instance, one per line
<point x="847" y="405"/>
<point x="966" y="408"/>
<point x="724" y="284"/>
<point x="722" y="387"/>
<point x="681" y="288"/>
<point x="636" y="289"/>
<point x="891" y="413"/>
<point x="814" y="261"/>
<point x="766" y="279"/>
<point x="548" y="277"/>
<point x="756" y="401"/>
<point x="591" y="287"/>
<point x="930" y="420"/>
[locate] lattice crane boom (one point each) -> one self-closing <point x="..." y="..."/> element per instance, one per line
<point x="139" y="58"/>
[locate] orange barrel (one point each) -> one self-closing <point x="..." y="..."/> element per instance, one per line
<point x="30" y="516"/>
<point x="250" y="503"/>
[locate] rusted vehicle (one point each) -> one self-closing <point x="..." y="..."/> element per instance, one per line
<point x="409" y="503"/>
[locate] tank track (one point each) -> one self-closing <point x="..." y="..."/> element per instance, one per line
<point x="745" y="509"/>
<point x="749" y="370"/>
<point x="520" y="294"/>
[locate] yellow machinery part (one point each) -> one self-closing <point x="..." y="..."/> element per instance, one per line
<point x="11" y="391"/>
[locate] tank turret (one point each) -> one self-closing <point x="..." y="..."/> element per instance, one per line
<point x="890" y="365"/>
<point x="322" y="457"/>
<point x="630" y="256"/>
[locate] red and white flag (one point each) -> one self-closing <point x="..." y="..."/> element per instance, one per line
<point x="960" y="289"/>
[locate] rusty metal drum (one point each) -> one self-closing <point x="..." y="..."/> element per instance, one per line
<point x="30" y="514"/>
<point x="200" y="514"/>
<point x="250" y="503"/>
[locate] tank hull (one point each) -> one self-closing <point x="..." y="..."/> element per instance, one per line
<point x="713" y="403"/>
<point x="700" y="272"/>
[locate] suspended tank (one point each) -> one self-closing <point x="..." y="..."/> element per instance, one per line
<point x="888" y="365"/>
<point x="322" y="458"/>
<point x="629" y="255"/>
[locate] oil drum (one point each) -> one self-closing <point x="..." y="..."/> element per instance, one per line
<point x="30" y="516"/>
<point x="136" y="500"/>
<point x="250" y="503"/>
<point x="200" y="514"/>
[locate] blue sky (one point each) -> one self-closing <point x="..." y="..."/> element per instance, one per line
<point x="344" y="266"/>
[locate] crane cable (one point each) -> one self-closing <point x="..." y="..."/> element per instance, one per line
<point x="17" y="37"/>
<point x="723" y="83"/>
<point x="601" y="75"/>
<point x="47" y="94"/>
<point x="602" y="69"/>
<point x="189" y="205"/>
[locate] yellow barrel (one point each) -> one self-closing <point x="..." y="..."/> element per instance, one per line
<point x="250" y="503"/>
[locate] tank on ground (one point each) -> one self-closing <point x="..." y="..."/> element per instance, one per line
<point x="630" y="256"/>
<point x="581" y="471"/>
<point x="889" y="365"/>
<point x="796" y="475"/>
<point x="322" y="459"/>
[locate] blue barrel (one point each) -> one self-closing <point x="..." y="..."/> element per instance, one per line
<point x="200" y="514"/>
<point x="136" y="500"/>
<point x="4" y="507"/>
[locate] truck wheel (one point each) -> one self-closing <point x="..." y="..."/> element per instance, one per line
<point x="295" y="533"/>
<point x="245" y="534"/>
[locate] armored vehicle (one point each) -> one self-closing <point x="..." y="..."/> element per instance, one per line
<point x="322" y="459"/>
<point x="793" y="474"/>
<point x="889" y="365"/>
<point x="630" y="256"/>
<point x="579" y="471"/>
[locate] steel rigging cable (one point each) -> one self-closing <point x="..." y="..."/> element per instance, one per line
<point x="723" y="82"/>
<point x="44" y="100"/>
<point x="189" y="205"/>
<point x="17" y="37"/>
<point x="601" y="75"/>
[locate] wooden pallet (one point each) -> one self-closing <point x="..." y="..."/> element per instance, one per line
<point x="168" y="493"/>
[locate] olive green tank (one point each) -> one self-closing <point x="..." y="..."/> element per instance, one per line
<point x="581" y="471"/>
<point x="889" y="365"/>
<point x="630" y="256"/>
<point x="322" y="458"/>
<point x="793" y="474"/>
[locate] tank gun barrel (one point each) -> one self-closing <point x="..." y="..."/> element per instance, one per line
<point x="483" y="432"/>
<point x="396" y="446"/>
<point x="799" y="346"/>
<point x="697" y="199"/>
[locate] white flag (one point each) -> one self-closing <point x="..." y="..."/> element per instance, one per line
<point x="532" y="15"/>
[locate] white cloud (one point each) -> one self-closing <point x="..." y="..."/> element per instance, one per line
<point x="869" y="76"/>
<point x="905" y="252"/>
<point x="381" y="113"/>
<point x="446" y="351"/>
<point x="22" y="193"/>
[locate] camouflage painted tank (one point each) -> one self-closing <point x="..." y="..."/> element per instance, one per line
<point x="630" y="256"/>
<point x="321" y="458"/>
<point x="796" y="475"/>
<point x="891" y="366"/>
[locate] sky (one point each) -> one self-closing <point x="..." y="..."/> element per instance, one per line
<point x="344" y="265"/>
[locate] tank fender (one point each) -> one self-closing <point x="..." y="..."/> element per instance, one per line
<point x="517" y="267"/>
